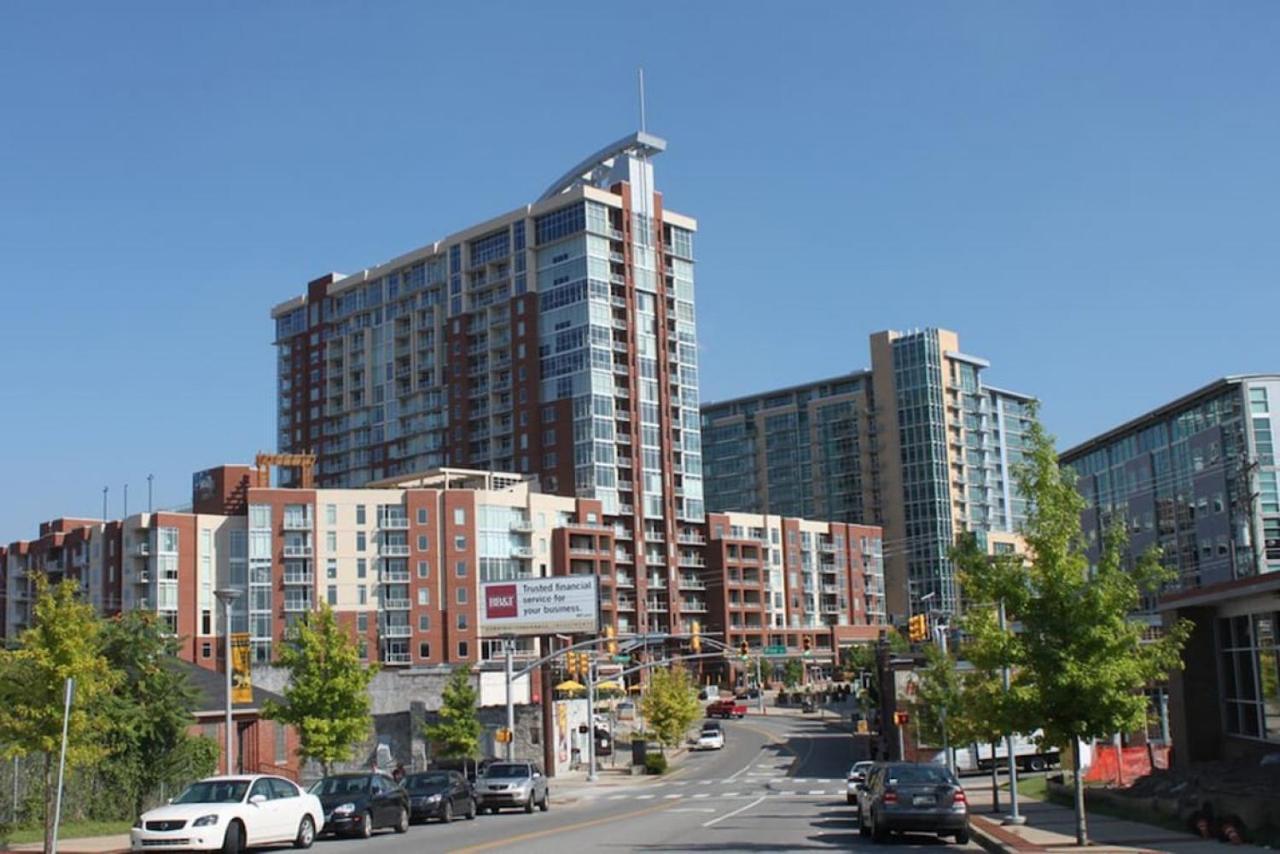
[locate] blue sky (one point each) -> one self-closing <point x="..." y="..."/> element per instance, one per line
<point x="1086" y="191"/>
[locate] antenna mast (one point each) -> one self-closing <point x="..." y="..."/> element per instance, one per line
<point x="641" y="73"/>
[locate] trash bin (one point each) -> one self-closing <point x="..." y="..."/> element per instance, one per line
<point x="639" y="749"/>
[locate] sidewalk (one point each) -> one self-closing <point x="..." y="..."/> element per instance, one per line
<point x="85" y="845"/>
<point x="1051" y="827"/>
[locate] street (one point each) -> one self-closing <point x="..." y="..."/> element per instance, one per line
<point x="777" y="785"/>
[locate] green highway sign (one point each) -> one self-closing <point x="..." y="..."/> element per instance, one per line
<point x="775" y="650"/>
<point x="622" y="659"/>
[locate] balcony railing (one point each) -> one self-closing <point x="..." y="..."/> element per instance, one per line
<point x="522" y="526"/>
<point x="397" y="631"/>
<point x="395" y="658"/>
<point x="297" y="551"/>
<point x="687" y="583"/>
<point x="299" y="578"/>
<point x="142" y="549"/>
<point x="625" y="581"/>
<point x="294" y="606"/>
<point x="393" y="549"/>
<point x="656" y="607"/>
<point x="657" y="583"/>
<point x="297" y="523"/>
<point x="395" y="576"/>
<point x="396" y="604"/>
<point x="522" y="551"/>
<point x="694" y="607"/>
<point x="394" y="523"/>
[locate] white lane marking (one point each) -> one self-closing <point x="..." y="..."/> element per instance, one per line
<point x="705" y="782"/>
<point x="815" y="791"/>
<point x="728" y="794"/>
<point x="682" y="782"/>
<point x="671" y="797"/>
<point x="703" y="795"/>
<point x="691" y="809"/>
<point x="618" y="797"/>
<point x="786" y="793"/>
<point x="644" y="797"/>
<point x="740" y="809"/>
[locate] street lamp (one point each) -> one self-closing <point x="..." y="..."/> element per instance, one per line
<point x="228" y="595"/>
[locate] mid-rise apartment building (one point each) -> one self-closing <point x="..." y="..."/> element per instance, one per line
<point x="918" y="443"/>
<point x="556" y="340"/>
<point x="401" y="562"/>
<point x="1198" y="479"/>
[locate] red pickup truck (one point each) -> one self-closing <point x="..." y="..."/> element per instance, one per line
<point x="726" y="709"/>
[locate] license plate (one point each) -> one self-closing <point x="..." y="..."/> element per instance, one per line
<point x="922" y="801"/>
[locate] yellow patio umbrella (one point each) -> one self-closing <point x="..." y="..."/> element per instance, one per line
<point x="570" y="685"/>
<point x="608" y="685"/>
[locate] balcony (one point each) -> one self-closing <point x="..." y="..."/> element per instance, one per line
<point x="691" y="560"/>
<point x="297" y="523"/>
<point x="395" y="576"/>
<point x="687" y="583"/>
<point x="397" y="631"/>
<point x="296" y="606"/>
<point x="395" y="658"/>
<point x="393" y="549"/>
<point x="621" y="556"/>
<point x="298" y="577"/>
<point x="297" y="551"/>
<point x="626" y="604"/>
<point x="522" y="526"/>
<point x="396" y="604"/>
<point x="522" y="552"/>
<point x="694" y="607"/>
<point x="625" y="581"/>
<point x="653" y="606"/>
<point x="656" y="582"/>
<point x="142" y="550"/>
<point x="692" y="539"/>
<point x="394" y="523"/>
<point x="144" y="577"/>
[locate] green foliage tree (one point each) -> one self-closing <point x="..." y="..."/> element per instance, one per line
<point x="859" y="659"/>
<point x="938" y="702"/>
<point x="793" y="672"/>
<point x="327" y="698"/>
<point x="456" y="734"/>
<point x="1080" y="659"/>
<point x="64" y="641"/>
<point x="670" y="704"/>
<point x="150" y="714"/>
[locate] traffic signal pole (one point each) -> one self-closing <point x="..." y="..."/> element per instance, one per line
<point x="591" y="720"/>
<point x="508" y="646"/>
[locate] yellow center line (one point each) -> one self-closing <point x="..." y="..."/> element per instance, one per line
<point x="567" y="828"/>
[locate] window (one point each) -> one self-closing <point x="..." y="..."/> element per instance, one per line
<point x="424" y="569"/>
<point x="364" y="650"/>
<point x="422" y="542"/>
<point x="422" y="515"/>
<point x="460" y="543"/>
<point x="1249" y="665"/>
<point x="331" y="568"/>
<point x="460" y="569"/>
<point x="362" y="622"/>
<point x="424" y="650"/>
<point x="360" y="541"/>
<point x="360" y="514"/>
<point x="332" y="594"/>
<point x="462" y="621"/>
<point x="424" y="596"/>
<point x="206" y="650"/>
<point x="362" y="594"/>
<point x="459" y="516"/>
<point x="462" y="596"/>
<point x="463" y="650"/>
<point x="331" y="541"/>
<point x="424" y="622"/>
<point x="1258" y="401"/>
<point x="331" y="514"/>
<point x="282" y="756"/>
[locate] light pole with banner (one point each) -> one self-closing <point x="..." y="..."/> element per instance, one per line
<point x="228" y="595"/>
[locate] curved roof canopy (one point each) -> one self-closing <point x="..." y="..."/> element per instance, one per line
<point x="594" y="168"/>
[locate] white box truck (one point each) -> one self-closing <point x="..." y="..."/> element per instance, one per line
<point x="1029" y="755"/>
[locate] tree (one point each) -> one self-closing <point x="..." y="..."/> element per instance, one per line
<point x="671" y="704"/>
<point x="859" y="659"/>
<point x="938" y="698"/>
<point x="793" y="672"/>
<point x="1081" y="661"/>
<point x="151" y="713"/>
<point x="327" y="698"/>
<point x="64" y="641"/>
<point x="456" y="734"/>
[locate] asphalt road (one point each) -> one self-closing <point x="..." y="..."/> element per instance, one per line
<point x="778" y="785"/>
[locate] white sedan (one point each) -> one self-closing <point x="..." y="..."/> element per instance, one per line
<point x="231" y="814"/>
<point x="709" y="739"/>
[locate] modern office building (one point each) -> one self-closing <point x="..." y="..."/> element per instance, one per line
<point x="555" y="340"/>
<point x="401" y="562"/>
<point x="1198" y="479"/>
<point x="919" y="444"/>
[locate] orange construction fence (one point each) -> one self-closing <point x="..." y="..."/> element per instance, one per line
<point x="1122" y="766"/>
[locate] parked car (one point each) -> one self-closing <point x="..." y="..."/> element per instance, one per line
<point x="711" y="738"/>
<point x="513" y="784"/>
<point x="857" y="774"/>
<point x="439" y="795"/>
<point x="231" y="814"/>
<point x="357" y="804"/>
<point x="909" y="796"/>
<point x="726" y="709"/>
<point x="469" y="768"/>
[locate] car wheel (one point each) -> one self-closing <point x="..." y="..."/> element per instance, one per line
<point x="546" y="801"/>
<point x="233" y="842"/>
<point x="528" y="805"/>
<point x="471" y="810"/>
<point x="863" y="830"/>
<point x="446" y="813"/>
<point x="1036" y="763"/>
<point x="878" y="832"/>
<point x="366" y="825"/>
<point x="402" y="824"/>
<point x="306" y="833"/>
<point x="962" y="837"/>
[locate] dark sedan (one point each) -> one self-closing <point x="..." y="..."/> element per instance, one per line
<point x="439" y="795"/>
<point x="906" y="796"/>
<point x="358" y="804"/>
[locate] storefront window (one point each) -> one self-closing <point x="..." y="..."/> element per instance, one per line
<point x="1250" y="665"/>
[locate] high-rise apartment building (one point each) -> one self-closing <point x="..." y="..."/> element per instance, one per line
<point x="402" y="562"/>
<point x="918" y="443"/>
<point x="555" y="340"/>
<point x="1198" y="479"/>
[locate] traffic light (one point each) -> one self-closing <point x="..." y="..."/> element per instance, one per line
<point x="576" y="663"/>
<point x="744" y="650"/>
<point x="695" y="642"/>
<point x="611" y="640"/>
<point x="807" y="644"/>
<point x="918" y="628"/>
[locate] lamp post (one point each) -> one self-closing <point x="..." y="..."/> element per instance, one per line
<point x="228" y="595"/>
<point x="1014" y="816"/>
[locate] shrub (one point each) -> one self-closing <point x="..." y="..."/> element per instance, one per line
<point x="655" y="763"/>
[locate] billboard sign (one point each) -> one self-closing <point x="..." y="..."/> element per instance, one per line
<point x="564" y="604"/>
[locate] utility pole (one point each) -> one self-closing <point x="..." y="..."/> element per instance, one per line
<point x="1014" y="816"/>
<point x="62" y="763"/>
<point x="508" y="647"/>
<point x="591" y="718"/>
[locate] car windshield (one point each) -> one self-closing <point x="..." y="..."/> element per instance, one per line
<point x="506" y="770"/>
<point x="927" y="774"/>
<point x="214" y="792"/>
<point x="341" y="786"/>
<point x="419" y="782"/>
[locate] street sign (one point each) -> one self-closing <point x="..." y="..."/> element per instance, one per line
<point x="502" y="736"/>
<point x="775" y="650"/>
<point x="622" y="659"/>
<point x="901" y="718"/>
<point x="862" y="727"/>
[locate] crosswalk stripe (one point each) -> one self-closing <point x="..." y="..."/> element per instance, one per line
<point x="672" y="797"/>
<point x="644" y="797"/>
<point x="702" y="795"/>
<point x="815" y="792"/>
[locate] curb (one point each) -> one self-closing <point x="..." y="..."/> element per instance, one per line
<point x="996" y="839"/>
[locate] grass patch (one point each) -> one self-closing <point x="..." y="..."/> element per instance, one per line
<point x="70" y="830"/>
<point x="1029" y="786"/>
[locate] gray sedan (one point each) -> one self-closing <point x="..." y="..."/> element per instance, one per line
<point x="905" y="796"/>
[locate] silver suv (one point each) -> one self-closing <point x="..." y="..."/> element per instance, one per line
<point x="512" y="784"/>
